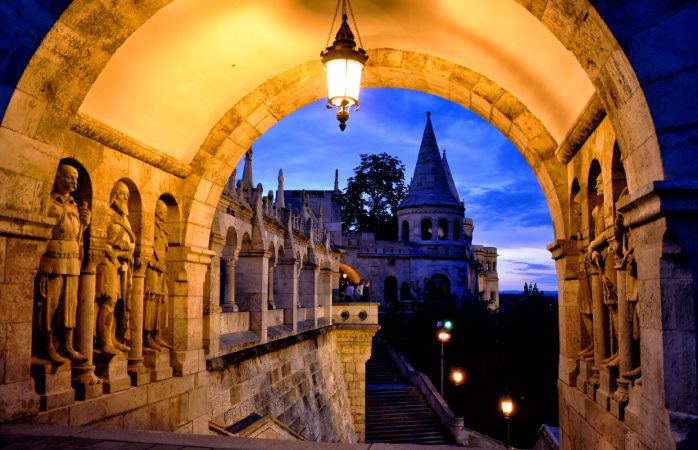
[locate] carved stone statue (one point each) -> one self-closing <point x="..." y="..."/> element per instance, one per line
<point x="156" y="294"/>
<point x="584" y="290"/>
<point x="59" y="271"/>
<point x="114" y="276"/>
<point x="633" y="301"/>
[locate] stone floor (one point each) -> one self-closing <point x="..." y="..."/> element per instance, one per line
<point x="44" y="437"/>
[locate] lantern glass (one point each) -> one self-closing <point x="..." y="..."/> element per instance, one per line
<point x="343" y="81"/>
<point x="507" y="406"/>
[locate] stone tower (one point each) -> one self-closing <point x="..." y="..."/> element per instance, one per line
<point x="431" y="212"/>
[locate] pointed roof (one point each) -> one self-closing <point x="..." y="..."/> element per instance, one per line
<point x="449" y="176"/>
<point x="430" y="182"/>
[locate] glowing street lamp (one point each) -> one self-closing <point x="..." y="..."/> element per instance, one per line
<point x="506" y="404"/>
<point x="457" y="377"/>
<point x="344" y="64"/>
<point x="443" y="335"/>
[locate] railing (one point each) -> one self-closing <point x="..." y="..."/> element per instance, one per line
<point x="462" y="435"/>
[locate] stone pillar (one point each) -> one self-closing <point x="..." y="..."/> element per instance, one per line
<point x="354" y="348"/>
<point x="252" y="288"/>
<point x="136" y="369"/>
<point x="286" y="282"/>
<point x="212" y="300"/>
<point x="566" y="257"/>
<point x="270" y="287"/>
<point x="308" y="285"/>
<point x="335" y="285"/>
<point x="325" y="293"/>
<point x="625" y="336"/>
<point x="87" y="385"/>
<point x="229" y="304"/>
<point x="187" y="268"/>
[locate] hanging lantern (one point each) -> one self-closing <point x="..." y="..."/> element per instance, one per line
<point x="343" y="66"/>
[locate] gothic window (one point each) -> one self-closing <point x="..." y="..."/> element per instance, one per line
<point x="426" y="229"/>
<point x="442" y="230"/>
<point x="405" y="230"/>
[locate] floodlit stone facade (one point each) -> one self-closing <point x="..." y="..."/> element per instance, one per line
<point x="596" y="97"/>
<point x="434" y="258"/>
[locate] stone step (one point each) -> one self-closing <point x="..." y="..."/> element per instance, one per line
<point x="396" y="412"/>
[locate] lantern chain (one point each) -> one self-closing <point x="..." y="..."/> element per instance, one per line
<point x="329" y="36"/>
<point x="353" y="19"/>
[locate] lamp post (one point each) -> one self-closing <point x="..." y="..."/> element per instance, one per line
<point x="457" y="376"/>
<point x="443" y="336"/>
<point x="344" y="64"/>
<point x="507" y="406"/>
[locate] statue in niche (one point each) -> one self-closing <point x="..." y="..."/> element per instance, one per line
<point x="625" y="257"/>
<point x="59" y="271"/>
<point x="584" y="292"/>
<point x="114" y="276"/>
<point x="156" y="294"/>
<point x="634" y="303"/>
<point x="606" y="272"/>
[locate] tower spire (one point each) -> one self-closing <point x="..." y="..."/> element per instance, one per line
<point x="430" y="185"/>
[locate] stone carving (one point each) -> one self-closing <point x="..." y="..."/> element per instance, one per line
<point x="59" y="271"/>
<point x="584" y="291"/>
<point x="114" y="276"/>
<point x="156" y="293"/>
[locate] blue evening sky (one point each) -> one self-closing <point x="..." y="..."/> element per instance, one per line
<point x="500" y="191"/>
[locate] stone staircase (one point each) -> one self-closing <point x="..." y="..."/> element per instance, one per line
<point x="395" y="411"/>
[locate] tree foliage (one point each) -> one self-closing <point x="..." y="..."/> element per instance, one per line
<point x="373" y="194"/>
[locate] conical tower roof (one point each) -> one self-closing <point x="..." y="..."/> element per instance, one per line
<point x="430" y="183"/>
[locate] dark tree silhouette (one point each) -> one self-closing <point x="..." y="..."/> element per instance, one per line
<point x="372" y="195"/>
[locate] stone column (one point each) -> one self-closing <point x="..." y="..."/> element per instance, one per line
<point x="600" y="324"/>
<point x="252" y="288"/>
<point x="325" y="293"/>
<point x="229" y="304"/>
<point x="286" y="281"/>
<point x="23" y="237"/>
<point x="212" y="300"/>
<point x="566" y="257"/>
<point x="136" y="369"/>
<point x="308" y="285"/>
<point x="270" y="287"/>
<point x="87" y="385"/>
<point x="335" y="285"/>
<point x="354" y="348"/>
<point x="187" y="269"/>
<point x="625" y="336"/>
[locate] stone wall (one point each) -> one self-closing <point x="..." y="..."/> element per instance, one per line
<point x="301" y="385"/>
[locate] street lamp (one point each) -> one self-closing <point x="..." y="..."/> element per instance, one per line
<point x="507" y="406"/>
<point x="443" y="336"/>
<point x="457" y="376"/>
<point x="343" y="65"/>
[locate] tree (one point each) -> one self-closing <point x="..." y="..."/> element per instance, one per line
<point x="373" y="194"/>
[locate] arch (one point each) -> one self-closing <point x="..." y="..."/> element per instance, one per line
<point x="83" y="195"/>
<point x="438" y="287"/>
<point x="426" y="229"/>
<point x="172" y="221"/>
<point x="593" y="199"/>
<point x="442" y="229"/>
<point x="135" y="206"/>
<point x="352" y="274"/>
<point x="246" y="245"/>
<point x="390" y="289"/>
<point x="575" y="219"/>
<point x="405" y="232"/>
